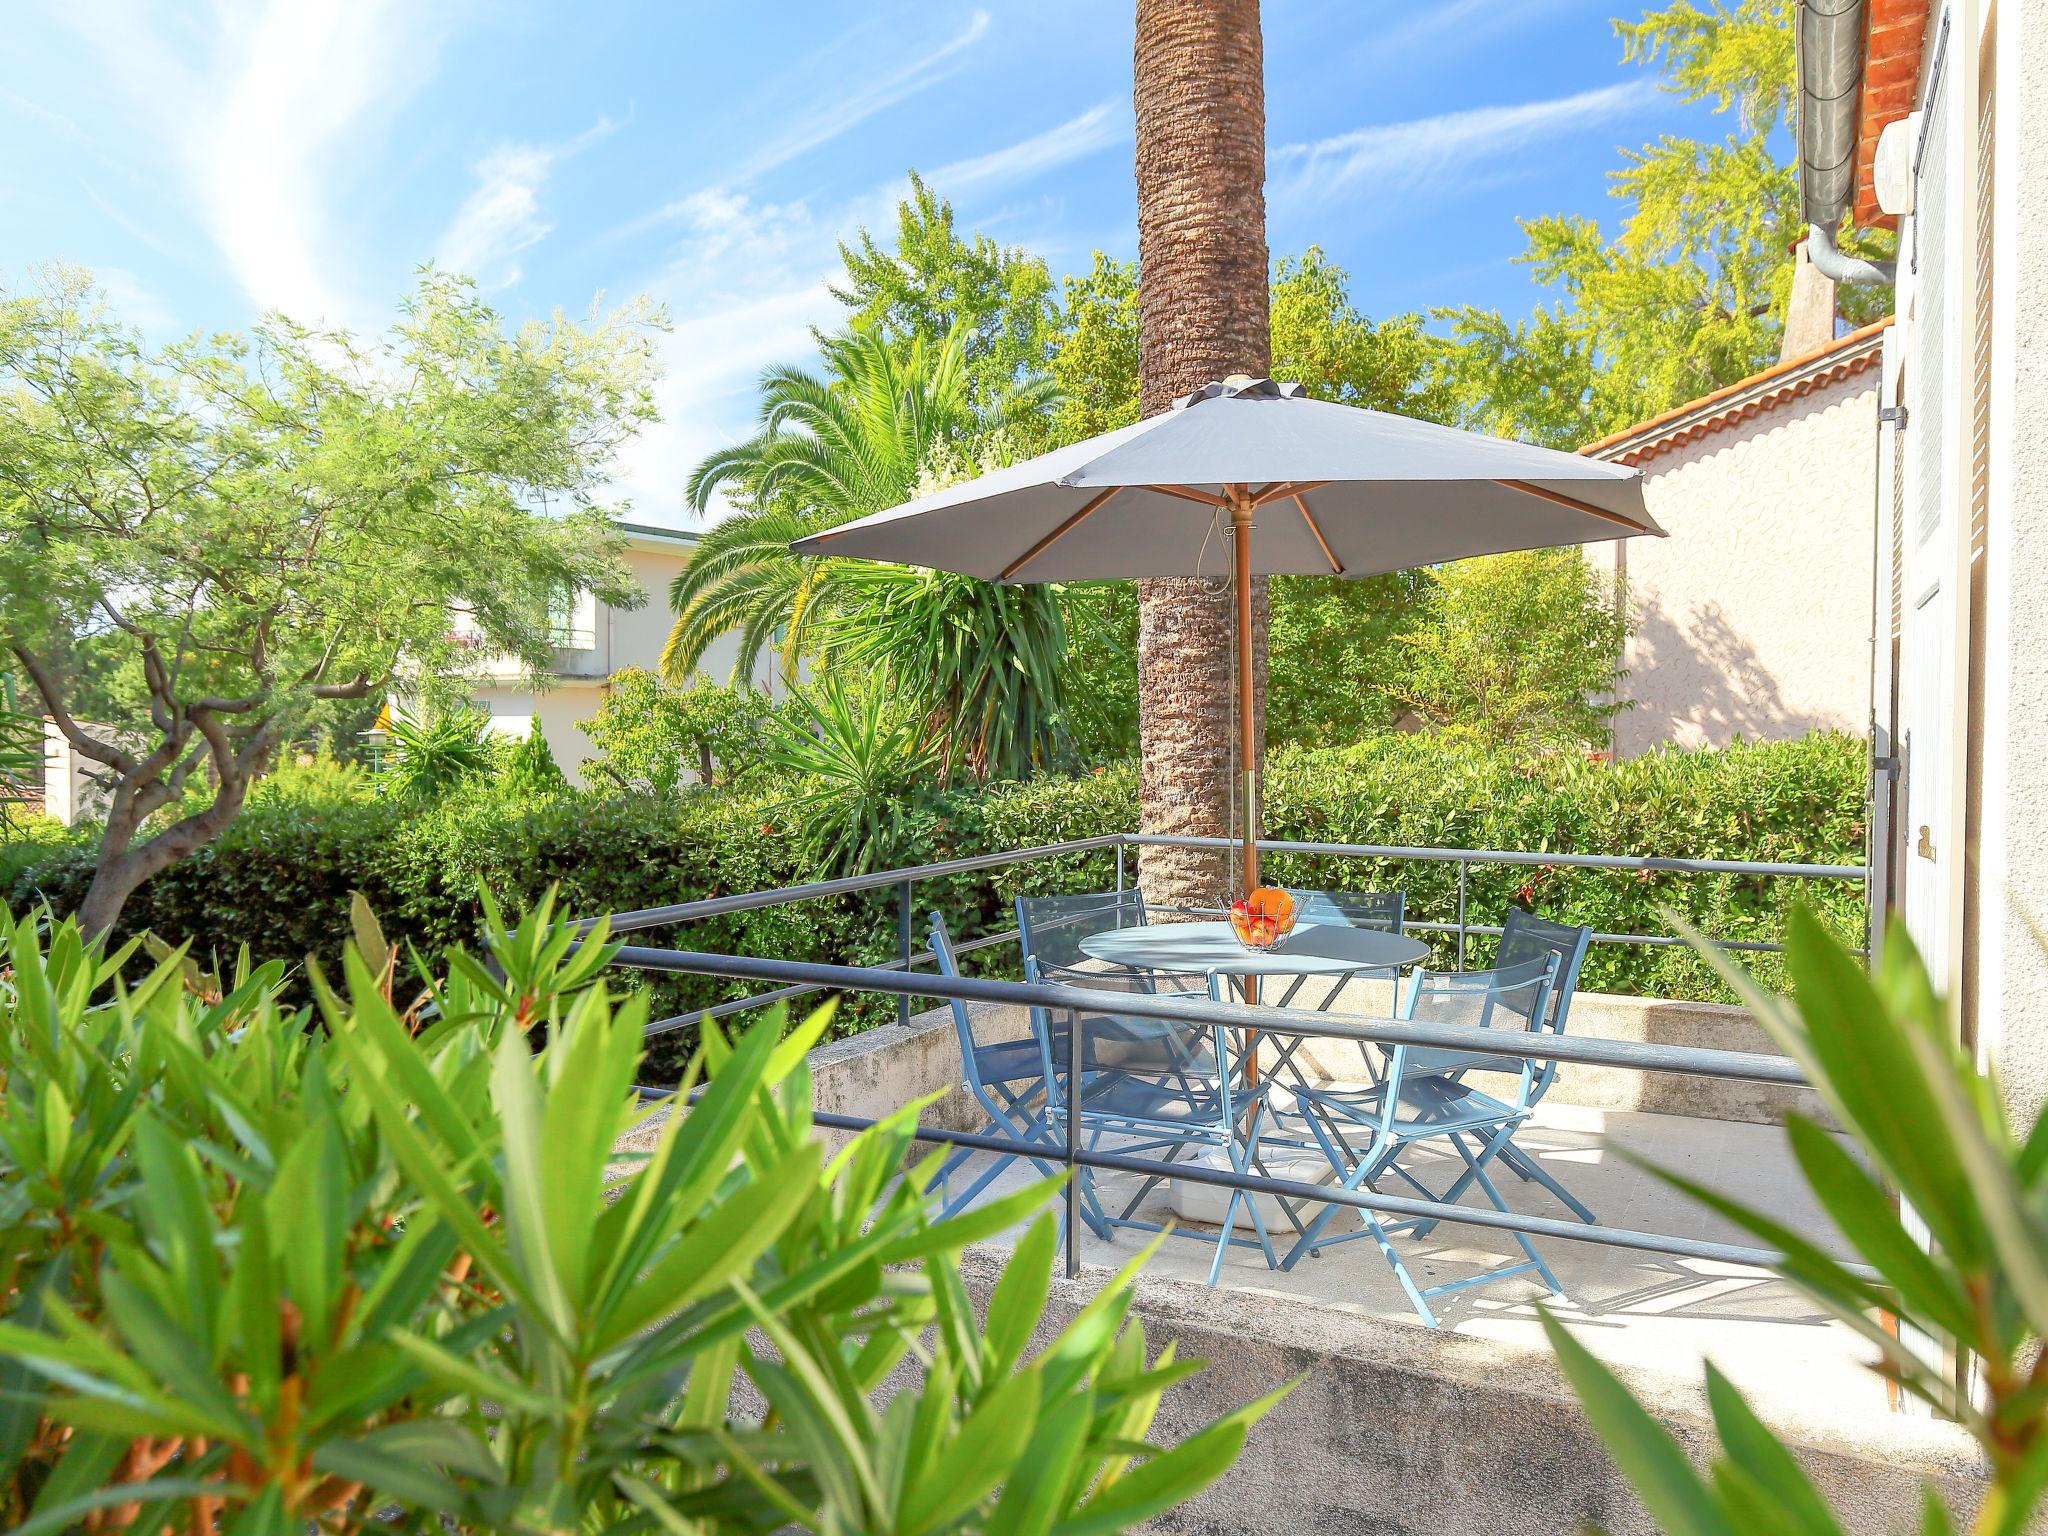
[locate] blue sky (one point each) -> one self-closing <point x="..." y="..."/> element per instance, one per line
<point x="211" y="162"/>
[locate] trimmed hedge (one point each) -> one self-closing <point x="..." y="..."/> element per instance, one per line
<point x="281" y="878"/>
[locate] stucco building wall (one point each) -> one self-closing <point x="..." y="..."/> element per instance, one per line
<point x="1754" y="617"/>
<point x="615" y="638"/>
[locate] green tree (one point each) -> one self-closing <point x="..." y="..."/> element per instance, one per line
<point x="530" y="771"/>
<point x="255" y="526"/>
<point x="648" y="735"/>
<point x="1690" y="294"/>
<point x="999" y="298"/>
<point x="829" y="450"/>
<point x="1320" y="340"/>
<point x="1519" y="649"/>
<point x="1332" y="642"/>
<point x="1095" y="358"/>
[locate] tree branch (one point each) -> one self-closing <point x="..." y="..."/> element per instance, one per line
<point x="102" y="752"/>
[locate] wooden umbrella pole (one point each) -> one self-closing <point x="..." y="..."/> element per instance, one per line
<point x="1241" y="506"/>
<point x="1247" y="721"/>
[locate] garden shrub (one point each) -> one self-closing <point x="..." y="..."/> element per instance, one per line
<point x="280" y="879"/>
<point x="382" y="1265"/>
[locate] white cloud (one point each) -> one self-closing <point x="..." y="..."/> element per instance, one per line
<point x="832" y="118"/>
<point x="824" y="122"/>
<point x="262" y="111"/>
<point x="135" y="303"/>
<point x="746" y="282"/>
<point x="1098" y="128"/>
<point x="1397" y="157"/>
<point x="503" y="217"/>
<point x="1457" y="26"/>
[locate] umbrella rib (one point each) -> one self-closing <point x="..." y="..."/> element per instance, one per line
<point x="1056" y="535"/>
<point x="1189" y="493"/>
<point x="1285" y="488"/>
<point x="1573" y="502"/>
<point x="1336" y="565"/>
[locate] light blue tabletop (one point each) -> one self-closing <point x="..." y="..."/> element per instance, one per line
<point x="1314" y="949"/>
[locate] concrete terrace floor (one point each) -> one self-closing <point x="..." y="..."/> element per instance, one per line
<point x="1649" y="1311"/>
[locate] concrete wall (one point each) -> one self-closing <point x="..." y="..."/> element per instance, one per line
<point x="1396" y="1429"/>
<point x="1755" y="615"/>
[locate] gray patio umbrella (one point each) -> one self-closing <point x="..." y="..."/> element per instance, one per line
<point x="1251" y="477"/>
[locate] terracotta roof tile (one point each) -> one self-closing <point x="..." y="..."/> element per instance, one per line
<point x="1738" y="402"/>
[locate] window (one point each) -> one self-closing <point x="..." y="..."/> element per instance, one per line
<point x="572" y="621"/>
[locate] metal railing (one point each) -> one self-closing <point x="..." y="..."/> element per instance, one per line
<point x="904" y="881"/>
<point x="1077" y="1003"/>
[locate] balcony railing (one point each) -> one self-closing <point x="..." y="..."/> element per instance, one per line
<point x="789" y="979"/>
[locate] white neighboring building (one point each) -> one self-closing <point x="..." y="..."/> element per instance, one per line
<point x="598" y="640"/>
<point x="1754" y="616"/>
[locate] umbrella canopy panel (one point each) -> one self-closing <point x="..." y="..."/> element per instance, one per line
<point x="1340" y="490"/>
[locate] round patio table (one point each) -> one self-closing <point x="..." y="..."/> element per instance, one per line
<point x="1313" y="949"/>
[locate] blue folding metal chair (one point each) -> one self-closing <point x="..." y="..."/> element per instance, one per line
<point x="1160" y="1085"/>
<point x="1379" y="911"/>
<point x="1422" y="1098"/>
<point x="1525" y="937"/>
<point x="1007" y="1079"/>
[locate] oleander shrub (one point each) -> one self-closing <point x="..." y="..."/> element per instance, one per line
<point x="281" y="879"/>
<point x="380" y="1264"/>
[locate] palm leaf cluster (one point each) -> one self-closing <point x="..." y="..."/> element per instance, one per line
<point x="837" y="446"/>
<point x="21" y="743"/>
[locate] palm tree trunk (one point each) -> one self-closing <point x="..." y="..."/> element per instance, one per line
<point x="1203" y="313"/>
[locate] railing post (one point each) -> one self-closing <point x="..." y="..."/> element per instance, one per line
<point x="1119" y="866"/>
<point x="903" y="930"/>
<point x="1074" y="1027"/>
<point x="1462" y="867"/>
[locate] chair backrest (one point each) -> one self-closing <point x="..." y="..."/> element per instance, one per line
<point x="963" y="1022"/>
<point x="1525" y="937"/>
<point x="1381" y="911"/>
<point x="1115" y="1041"/>
<point x="1505" y="998"/>
<point x="1052" y="927"/>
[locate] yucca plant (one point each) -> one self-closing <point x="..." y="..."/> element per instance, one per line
<point x="436" y="755"/>
<point x="1879" y="1049"/>
<point x="862" y="766"/>
<point x="377" y="1264"/>
<point x="980" y="659"/>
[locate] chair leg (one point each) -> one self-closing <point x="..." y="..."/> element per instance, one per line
<point x="1393" y="1258"/>
<point x="1361" y="1173"/>
<point x="1242" y="1160"/>
<point x="1477" y="1167"/>
<point x="1535" y="1172"/>
<point x="1529" y="1169"/>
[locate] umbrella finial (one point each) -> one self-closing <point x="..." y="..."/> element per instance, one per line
<point x="1242" y="386"/>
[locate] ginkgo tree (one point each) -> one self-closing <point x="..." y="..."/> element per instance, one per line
<point x="248" y="529"/>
